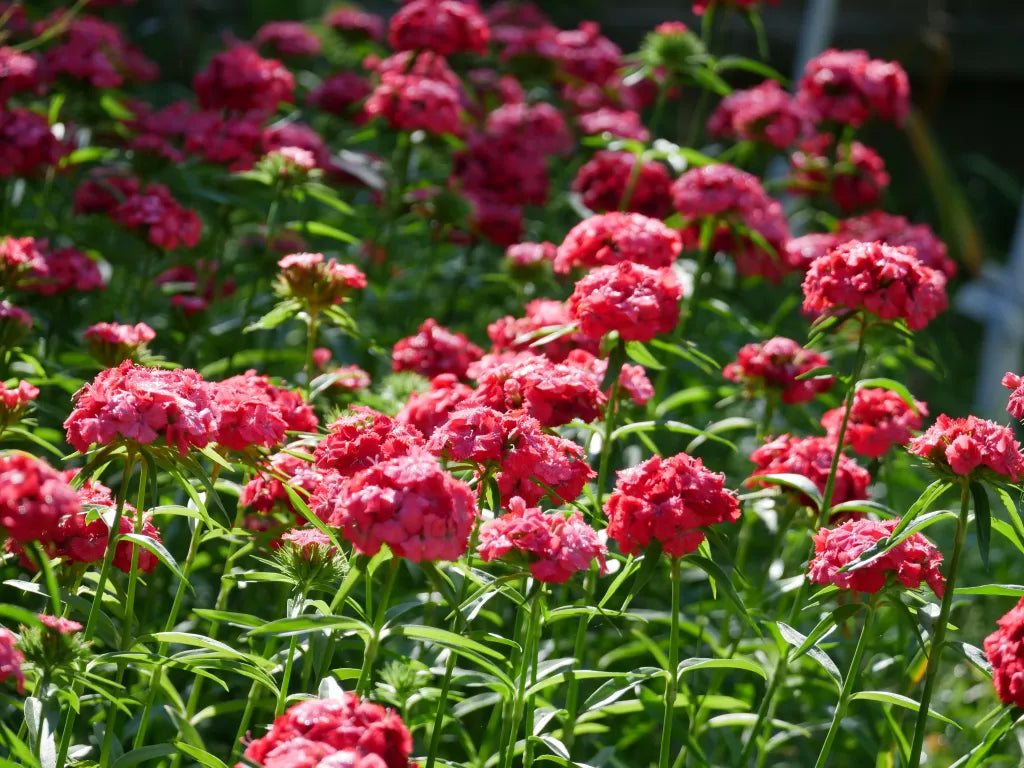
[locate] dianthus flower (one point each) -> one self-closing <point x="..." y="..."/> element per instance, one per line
<point x="1015" y="405"/>
<point x="62" y="270"/>
<point x="495" y="219"/>
<point x="669" y="501"/>
<point x="247" y="414"/>
<point x="970" y="447"/>
<point x="857" y="179"/>
<point x="33" y="498"/>
<point x="632" y="378"/>
<point x="879" y="419"/>
<point x="637" y="301"/>
<point x="535" y="463"/>
<point x="552" y="393"/>
<point x="764" y="113"/>
<point x="296" y="136"/>
<point x="408" y="503"/>
<point x="812" y="458"/>
<point x="604" y="179"/>
<point x="14" y="401"/>
<point x="888" y="281"/>
<point x="540" y="127"/>
<point x="426" y="411"/>
<point x="442" y="26"/>
<point x="434" y="350"/>
<point x="26" y="143"/>
<point x="363" y="438"/>
<point x="232" y="141"/>
<point x="288" y="38"/>
<point x="59" y="624"/>
<point x="554" y="546"/>
<point x="622" y="123"/>
<point x="355" y="21"/>
<point x="19" y="72"/>
<point x="349" y="378"/>
<point x="523" y="255"/>
<point x="240" y="79"/>
<point x="801" y="251"/>
<point x="517" y="334"/>
<point x="127" y="338"/>
<point x="18" y="256"/>
<point x="348" y="732"/>
<point x="700" y="7"/>
<point x="849" y="87"/>
<point x="505" y="169"/>
<point x="93" y="50"/>
<point x="913" y="560"/>
<point x="339" y="93"/>
<point x="1005" y="650"/>
<point x="140" y="404"/>
<point x="11" y="659"/>
<point x="168" y="224"/>
<point x="896" y="230"/>
<point x="775" y="365"/>
<point x="611" y="238"/>
<point x="318" y="283"/>
<point x="14" y="323"/>
<point x="411" y="102"/>
<point x="473" y="434"/>
<point x="266" y="492"/>
<point x="583" y="52"/>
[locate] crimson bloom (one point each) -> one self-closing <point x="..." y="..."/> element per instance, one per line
<point x="913" y="560"/>
<point x="361" y="438"/>
<point x="266" y="491"/>
<point x="887" y="281"/>
<point x="970" y="447"/>
<point x="766" y="112"/>
<point x="1015" y="406"/>
<point x="11" y="659"/>
<point x="775" y="365"/>
<point x="426" y="411"/>
<point x="669" y="501"/>
<point x="473" y="434"/>
<point x="603" y="182"/>
<point x="879" y="419"/>
<point x="33" y="498"/>
<point x="637" y="301"/>
<point x="896" y="230"/>
<point x="412" y="102"/>
<point x="812" y="458"/>
<point x="610" y="238"/>
<point x="288" y="38"/>
<point x="623" y="123"/>
<point x="14" y="401"/>
<point x="26" y="143"/>
<point x="1005" y="651"/>
<point x="339" y="93"/>
<point x="113" y="343"/>
<point x="555" y="546"/>
<point x="442" y="26"/>
<point x="850" y="87"/>
<point x="855" y="180"/>
<point x="434" y="350"/>
<point x="542" y="315"/>
<point x="240" y="79"/>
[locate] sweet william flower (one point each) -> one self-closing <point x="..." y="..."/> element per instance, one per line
<point x="354" y="21"/>
<point x="850" y="87"/>
<point x="443" y="26"/>
<point x="624" y="124"/>
<point x="265" y="492"/>
<point x="317" y="282"/>
<point x="33" y="498"/>
<point x="361" y="438"/>
<point x="611" y="238"/>
<point x="855" y="181"/>
<point x="288" y="38"/>
<point x="412" y="102"/>
<point x="1015" y="406"/>
<point x="473" y="434"/>
<point x="913" y="560"/>
<point x="636" y="301"/>
<point x="11" y="660"/>
<point x="812" y="458"/>
<point x="511" y="334"/>
<point x="879" y="419"/>
<point x="669" y="501"/>
<point x="970" y="448"/>
<point x="604" y="180"/>
<point x="896" y="230"/>
<point x="766" y="113"/>
<point x="240" y="79"/>
<point x="434" y="350"/>
<point x="26" y="143"/>
<point x="426" y="411"/>
<point x="1005" y="651"/>
<point x="113" y="343"/>
<point x="775" y="365"/>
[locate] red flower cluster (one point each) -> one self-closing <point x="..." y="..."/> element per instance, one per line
<point x="913" y="560"/>
<point x="18" y="255"/>
<point x="611" y="238"/>
<point x="970" y="446"/>
<point x="412" y="102"/>
<point x="540" y="127"/>
<point x="59" y="624"/>
<point x="363" y="438"/>
<point x="603" y="182"/>
<point x="1015" y="405"/>
<point x="14" y="401"/>
<point x="896" y="230"/>
<point x="318" y="283"/>
<point x="232" y="141"/>
<point x="356" y="22"/>
<point x="434" y="350"/>
<point x="113" y="343"/>
<point x="140" y="404"/>
<point x="11" y="659"/>
<point x="669" y="501"/>
<point x="555" y="546"/>
<point x="622" y="123"/>
<point x="408" y="503"/>
<point x="95" y="51"/>
<point x="765" y="113"/>
<point x="775" y="364"/>
<point x="888" y="281"/>
<point x="632" y="378"/>
<point x="812" y="458"/>
<point x="19" y="72"/>
<point x="1005" y="651"/>
<point x="61" y="270"/>
<point x="525" y="255"/>
<point x="240" y="79"/>
<point x="252" y="412"/>
<point x="850" y="87"/>
<point x="349" y="732"/>
<point x="26" y="143"/>
<point x="542" y="315"/>
<point x="288" y="38"/>
<point x="700" y="7"/>
<point x="584" y="53"/>
<point x="855" y="180"/>
<point x="265" y="492"/>
<point x="443" y="26"/>
<point x="426" y="411"/>
<point x="637" y="301"/>
<point x="879" y="419"/>
<point x="33" y="498"/>
<point x="339" y="93"/>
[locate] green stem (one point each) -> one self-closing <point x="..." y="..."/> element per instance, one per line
<point x="347" y="584"/>
<point x="293" y="644"/>
<point x="631" y="182"/>
<point x="939" y="633"/>
<point x="526" y="659"/>
<point x="610" y="413"/>
<point x="250" y="707"/>
<point x="311" y="329"/>
<point x="579" y="647"/>
<point x="366" y="673"/>
<point x="36" y="553"/>
<point x="771" y="402"/>
<point x="848" y="683"/>
<point x="671" y="681"/>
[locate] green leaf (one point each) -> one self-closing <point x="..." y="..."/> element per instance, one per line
<point x="299" y="625"/>
<point x="899" y="534"/>
<point x="41" y="721"/>
<point x="114" y="107"/>
<point x="200" y="755"/>
<point x="323" y="230"/>
<point x="928" y="497"/>
<point x="886" y="697"/>
<point x="158" y="549"/>
<point x="736" y="662"/>
<point x="1001" y="590"/>
<point x="891" y="384"/>
<point x="327" y="196"/>
<point x="638" y="353"/>
<point x="723" y="582"/>
<point x="797" y="640"/>
<point x="982" y="520"/>
<point x="445" y="638"/>
<point x="303" y="509"/>
<point x="872" y="507"/>
<point x="282" y="312"/>
<point x="727" y="63"/>
<point x="143" y="754"/>
<point x="797" y="482"/>
<point x="832" y="619"/>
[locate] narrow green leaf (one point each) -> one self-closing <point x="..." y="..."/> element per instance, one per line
<point x="1001" y="590"/>
<point x="144" y="754"/>
<point x="982" y="520"/>
<point x="158" y="549"/>
<point x="736" y="662"/>
<point x="327" y="196"/>
<point x="298" y="625"/>
<point x="886" y="697"/>
<point x="323" y="230"/>
<point x="724" y="583"/>
<point x="200" y="755"/>
<point x="638" y="353"/>
<point x="282" y="312"/>
<point x="832" y="619"/>
<point x="800" y="483"/>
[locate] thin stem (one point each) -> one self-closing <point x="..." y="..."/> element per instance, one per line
<point x="293" y="644"/>
<point x="848" y="684"/>
<point x="366" y="673"/>
<point x="939" y="634"/>
<point x="250" y="706"/>
<point x="526" y="662"/>
<point x="610" y="413"/>
<point x="36" y="552"/>
<point x="311" y="328"/>
<point x="579" y="647"/>
<point x="671" y="670"/>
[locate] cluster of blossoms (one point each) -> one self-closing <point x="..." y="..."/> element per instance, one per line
<point x="1015" y="405"/>
<point x="14" y="401"/>
<point x="34" y="498"/>
<point x="266" y="493"/>
<point x="610" y="238"/>
<point x="970" y="446"/>
<point x="250" y="411"/>
<point x="435" y="350"/>
<point x="93" y="51"/>
<point x="775" y="365"/>
<point x="26" y="143"/>
<point x="113" y="343"/>
<point x="636" y="301"/>
<point x="849" y="87"/>
<point x="333" y="733"/>
<point x="856" y="179"/>
<point x="554" y="546"/>
<point x="240" y="79"/>
<point x="766" y="113"/>
<point x="1005" y="651"/>
<point x="812" y="458"/>
<point x="30" y="264"/>
<point x="879" y="419"/>
<point x="317" y="282"/>
<point x="913" y="560"/>
<point x="517" y="334"/>
<point x="608" y="182"/>
<point x="11" y="660"/>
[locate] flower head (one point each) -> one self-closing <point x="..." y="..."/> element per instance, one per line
<point x="856" y="180"/>
<point x="340" y="93"/>
<point x="970" y="447"/>
<point x="361" y="438"/>
<point x="812" y="458"/>
<point x="621" y="123"/>
<point x="669" y="501"/>
<point x="879" y="419"/>
<point x="288" y="38"/>
<point x="11" y="659"/>
<point x="113" y="343"/>
<point x="765" y="113"/>
<point x="33" y="498"/>
<point x="412" y="102"/>
<point x="426" y="411"/>
<point x="611" y="238"/>
<point x="603" y="182"/>
<point x="434" y="350"/>
<point x="1015" y="405"/>
<point x="14" y="402"/>
<point x="913" y="560"/>
<point x="442" y="26"/>
<point x="316" y="282"/>
<point x="1005" y="651"/>
<point x="240" y="79"/>
<point x="776" y="364"/>
<point x="26" y="143"/>
<point x="896" y="230"/>
<point x="637" y="301"/>
<point x="542" y="316"/>
<point x="266" y="491"/>
<point x="849" y="87"/>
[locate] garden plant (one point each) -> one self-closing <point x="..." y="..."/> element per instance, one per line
<point x="453" y="389"/>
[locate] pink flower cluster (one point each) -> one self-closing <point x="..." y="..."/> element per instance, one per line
<point x="510" y="334"/>
<point x="288" y="38"/>
<point x="316" y="282"/>
<point x="1015" y="405"/>
<point x="636" y="301"/>
<point x="168" y="225"/>
<point x="253" y="412"/>
<point x="242" y="80"/>
<point x="879" y="419"/>
<point x="426" y="96"/>
<point x="812" y="458"/>
<point x="605" y="180"/>
<point x="426" y="411"/>
<point x="526" y="255"/>
<point x="96" y="52"/>
<point x="775" y="364"/>
<point x="341" y="733"/>
<point x="443" y="26"/>
<point x="1005" y="650"/>
<point x="913" y="560"/>
<point x="622" y="123"/>
<point x="554" y="546"/>
<point x="969" y="447"/>
<point x="887" y="281"/>
<point x="361" y="438"/>
<point x="669" y="501"/>
<point x="11" y="659"/>
<point x="113" y="343"/>
<point x="33" y="498"/>
<point x="435" y="350"/>
<point x="14" y="401"/>
<point x="856" y="179"/>
<point x="611" y="238"/>
<point x="766" y="113"/>
<point x="26" y="143"/>
<point x="850" y="87"/>
<point x="265" y="492"/>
